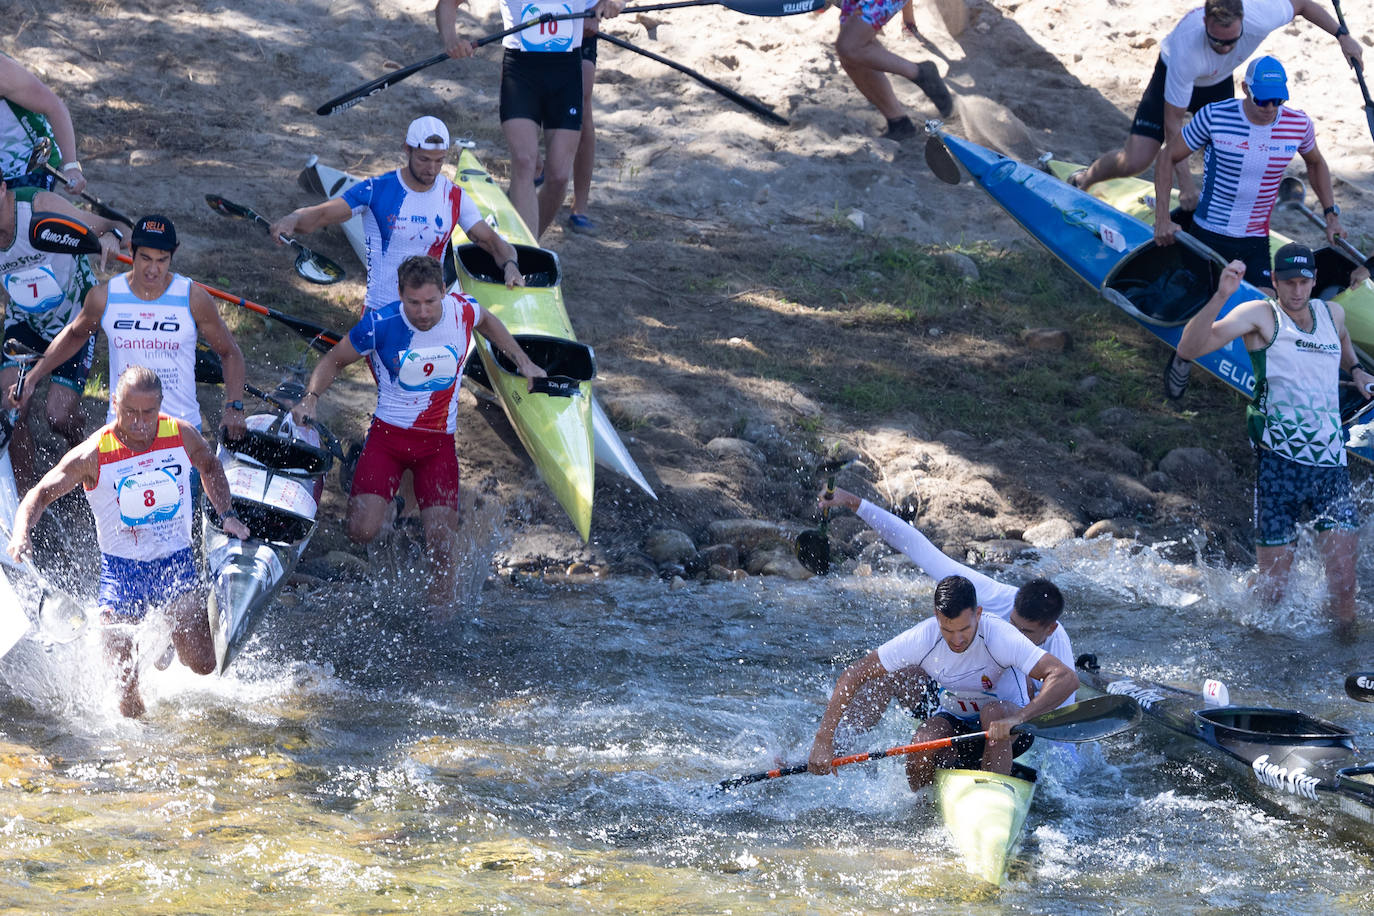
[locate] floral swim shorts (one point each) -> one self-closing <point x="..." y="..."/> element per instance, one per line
<point x="875" y="12"/>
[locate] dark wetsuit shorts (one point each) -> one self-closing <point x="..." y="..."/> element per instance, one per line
<point x="1253" y="250"/>
<point x="544" y="87"/>
<point x="1288" y="493"/>
<point x="72" y="373"/>
<point x="1149" y="116"/>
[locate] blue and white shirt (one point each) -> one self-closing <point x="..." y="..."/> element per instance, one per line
<point x="563" y="35"/>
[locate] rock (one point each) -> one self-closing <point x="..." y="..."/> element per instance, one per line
<point x="726" y="555"/>
<point x="858" y="218"/>
<point x="725" y="447"/>
<point x="785" y="564"/>
<point x="346" y="564"/>
<point x="1049" y="533"/>
<point x="744" y="533"/>
<point x="1117" y="418"/>
<point x="1047" y="340"/>
<point x="668" y="545"/>
<point x="863" y="570"/>
<point x="1112" y="527"/>
<point x="1192" y="466"/>
<point x="1111" y="455"/>
<point x="720" y="573"/>
<point x="957" y="263"/>
<point x="1087" y="383"/>
<point x="677" y="584"/>
<point x="1101" y="507"/>
<point x="634" y="564"/>
<point x="957" y="438"/>
<point x="1157" y="481"/>
<point x="1001" y="552"/>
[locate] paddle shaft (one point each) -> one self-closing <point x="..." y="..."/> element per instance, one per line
<point x="1359" y="73"/>
<point x="932" y="745"/>
<point x="1342" y="245"/>
<point x="320" y="338"/>
<point x="753" y="105"/>
<point x="100" y="208"/>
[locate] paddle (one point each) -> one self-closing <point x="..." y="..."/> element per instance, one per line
<point x="1291" y="194"/>
<point x="39" y="160"/>
<point x="1360" y="686"/>
<point x="1359" y="73"/>
<point x="813" y="547"/>
<point x="747" y="7"/>
<point x="1089" y="720"/>
<point x="941" y="162"/>
<point x="753" y="105"/>
<point x="313" y="267"/>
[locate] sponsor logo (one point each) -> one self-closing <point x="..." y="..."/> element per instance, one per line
<point x="805" y="6"/>
<point x="146" y="324"/>
<point x="65" y="239"/>
<point x="1318" y="347"/>
<point x="987" y="683"/>
<point x="1145" y="696"/>
<point x="1364" y="683"/>
<point x="1293" y="781"/>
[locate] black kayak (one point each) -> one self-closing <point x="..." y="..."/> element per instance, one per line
<point x="1305" y="764"/>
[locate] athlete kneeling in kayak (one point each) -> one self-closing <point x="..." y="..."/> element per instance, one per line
<point x="416" y="347"/>
<point x="136" y="472"/>
<point x="965" y="653"/>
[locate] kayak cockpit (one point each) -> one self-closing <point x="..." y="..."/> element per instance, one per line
<point x="1274" y="740"/>
<point x="1164" y="285"/>
<point x="539" y="266"/>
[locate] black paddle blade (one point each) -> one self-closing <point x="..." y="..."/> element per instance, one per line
<point x="941" y="162"/>
<point x="58" y="234"/>
<point x="1085" y="721"/>
<point x="813" y="551"/>
<point x="317" y="268"/>
<point x="228" y="207"/>
<point x="1360" y="686"/>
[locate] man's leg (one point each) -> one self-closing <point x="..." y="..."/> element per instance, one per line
<point x="1136" y="156"/>
<point x="585" y="160"/>
<point x="867" y="62"/>
<point x="996" y="754"/>
<point x="1338" y="547"/>
<point x="560" y="148"/>
<point x="920" y="767"/>
<point x="366" y="514"/>
<point x="22" y="451"/>
<point x="522" y="139"/>
<point x="1271" y="575"/>
<point x="191" y="632"/>
<point x="119" y="653"/>
<point x="64" y="413"/>
<point x="441" y="530"/>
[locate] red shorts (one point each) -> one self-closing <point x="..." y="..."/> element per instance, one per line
<point x="431" y="457"/>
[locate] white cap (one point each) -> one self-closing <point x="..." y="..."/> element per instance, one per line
<point x="422" y="129"/>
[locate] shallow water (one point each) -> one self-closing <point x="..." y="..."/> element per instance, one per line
<point x="556" y="749"/>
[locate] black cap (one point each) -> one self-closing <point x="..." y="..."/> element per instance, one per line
<point x="154" y="231"/>
<point x="1293" y="261"/>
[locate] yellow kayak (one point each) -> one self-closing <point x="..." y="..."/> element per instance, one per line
<point x="985" y="814"/>
<point x="1137" y="197"/>
<point x="555" y="430"/>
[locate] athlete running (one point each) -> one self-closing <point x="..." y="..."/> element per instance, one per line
<point x="868" y="63"/>
<point x="541" y="87"/>
<point x="152" y="316"/>
<point x="1298" y="346"/>
<point x="411" y="211"/>
<point x="42" y="293"/>
<point x="135" y="471"/>
<point x="416" y="347"/>
<point x="965" y="653"/>
<point x="30" y="113"/>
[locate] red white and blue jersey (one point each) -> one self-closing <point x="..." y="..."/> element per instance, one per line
<point x="1244" y="164"/>
<point x="399" y="223"/>
<point x="142" y="500"/>
<point x="417" y="371"/>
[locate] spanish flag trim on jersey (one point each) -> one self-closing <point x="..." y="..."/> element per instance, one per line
<point x="112" y="449"/>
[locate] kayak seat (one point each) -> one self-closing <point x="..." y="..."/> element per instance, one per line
<point x="269" y="523"/>
<point x="282" y="454"/>
<point x="539" y="266"/>
<point x="1165" y="286"/>
<point x="555" y="355"/>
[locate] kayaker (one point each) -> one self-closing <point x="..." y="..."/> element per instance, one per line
<point x="1249" y="143"/>
<point x="152" y="316"/>
<point x="43" y="292"/>
<point x="541" y="88"/>
<point x="965" y="653"/>
<point x="1297" y="345"/>
<point x="584" y="162"/>
<point x="1034" y="609"/>
<point x="409" y="211"/>
<point x="31" y="113"/>
<point x="416" y="347"/>
<point x="868" y="63"/>
<point x="135" y="473"/>
<point x="1195" y="67"/>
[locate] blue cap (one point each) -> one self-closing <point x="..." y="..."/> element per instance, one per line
<point x="1266" y="80"/>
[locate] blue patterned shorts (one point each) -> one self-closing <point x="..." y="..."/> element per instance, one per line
<point x="1288" y="493"/>
<point x="875" y="12"/>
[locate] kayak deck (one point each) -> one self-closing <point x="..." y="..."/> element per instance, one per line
<point x="985" y="814"/>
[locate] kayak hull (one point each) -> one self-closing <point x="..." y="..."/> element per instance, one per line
<point x="985" y="814"/>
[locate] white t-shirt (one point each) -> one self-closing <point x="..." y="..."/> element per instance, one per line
<point x="561" y="35"/>
<point x="1191" y="60"/>
<point x="995" y="597"/>
<point x="966" y="679"/>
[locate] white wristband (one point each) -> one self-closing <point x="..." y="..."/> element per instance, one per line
<point x="68" y="166"/>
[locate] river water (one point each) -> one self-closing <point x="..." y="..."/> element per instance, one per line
<point x="556" y="749"/>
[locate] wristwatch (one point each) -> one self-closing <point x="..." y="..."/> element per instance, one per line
<point x="233" y="405"/>
<point x="1342" y="30"/>
<point x="1333" y="210"/>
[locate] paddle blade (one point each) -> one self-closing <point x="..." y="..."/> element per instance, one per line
<point x="813" y="551"/>
<point x="317" y="268"/>
<point x="58" y="234"/>
<point x="1291" y="191"/>
<point x="1360" y="686"/>
<point x="941" y="162"/>
<point x="228" y="207"/>
<point x="1085" y="721"/>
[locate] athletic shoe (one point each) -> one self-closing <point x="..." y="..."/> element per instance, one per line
<point x="928" y="79"/>
<point x="1075" y="179"/>
<point x="899" y="130"/>
<point x="581" y="224"/>
<point x="1176" y="373"/>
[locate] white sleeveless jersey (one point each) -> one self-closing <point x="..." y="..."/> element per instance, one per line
<point x="142" y="500"/>
<point x="563" y="35"/>
<point x="159" y="334"/>
<point x="1296" y="412"/>
<point x="966" y="679"/>
<point x="44" y="290"/>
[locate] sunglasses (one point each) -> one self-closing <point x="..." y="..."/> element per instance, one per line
<point x="1270" y="103"/>
<point x="1220" y="43"/>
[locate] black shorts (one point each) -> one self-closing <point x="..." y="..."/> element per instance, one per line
<point x="1149" y="115"/>
<point x="72" y="373"/>
<point x="544" y="87"/>
<point x="589" y="48"/>
<point x="969" y="754"/>
<point x="1253" y="250"/>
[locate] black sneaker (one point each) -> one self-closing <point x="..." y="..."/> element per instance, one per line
<point x="928" y="79"/>
<point x="899" y="130"/>
<point x="1176" y="373"/>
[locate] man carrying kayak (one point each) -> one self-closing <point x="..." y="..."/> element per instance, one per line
<point x="32" y="112"/>
<point x="965" y="653"/>
<point x="410" y="211"/>
<point x="1033" y="608"/>
<point x="541" y="88"/>
<point x="1249" y="143"/>
<point x="43" y="292"/>
<point x="416" y="347"/>
<point x="152" y="317"/>
<point x="1196" y="61"/>
<point x="135" y="472"/>
<point x="1298" y="346"/>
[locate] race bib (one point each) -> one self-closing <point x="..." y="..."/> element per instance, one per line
<point x="429" y="369"/>
<point x="965" y="705"/>
<point x="34" y="289"/>
<point x="148" y="497"/>
<point x="548" y="36"/>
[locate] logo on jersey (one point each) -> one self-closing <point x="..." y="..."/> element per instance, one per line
<point x="987" y="682"/>
<point x="148" y="497"/>
<point x="429" y="369"/>
<point x="550" y="35"/>
<point x="34" y="290"/>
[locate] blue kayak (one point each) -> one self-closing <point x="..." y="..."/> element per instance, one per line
<point x="1115" y="254"/>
